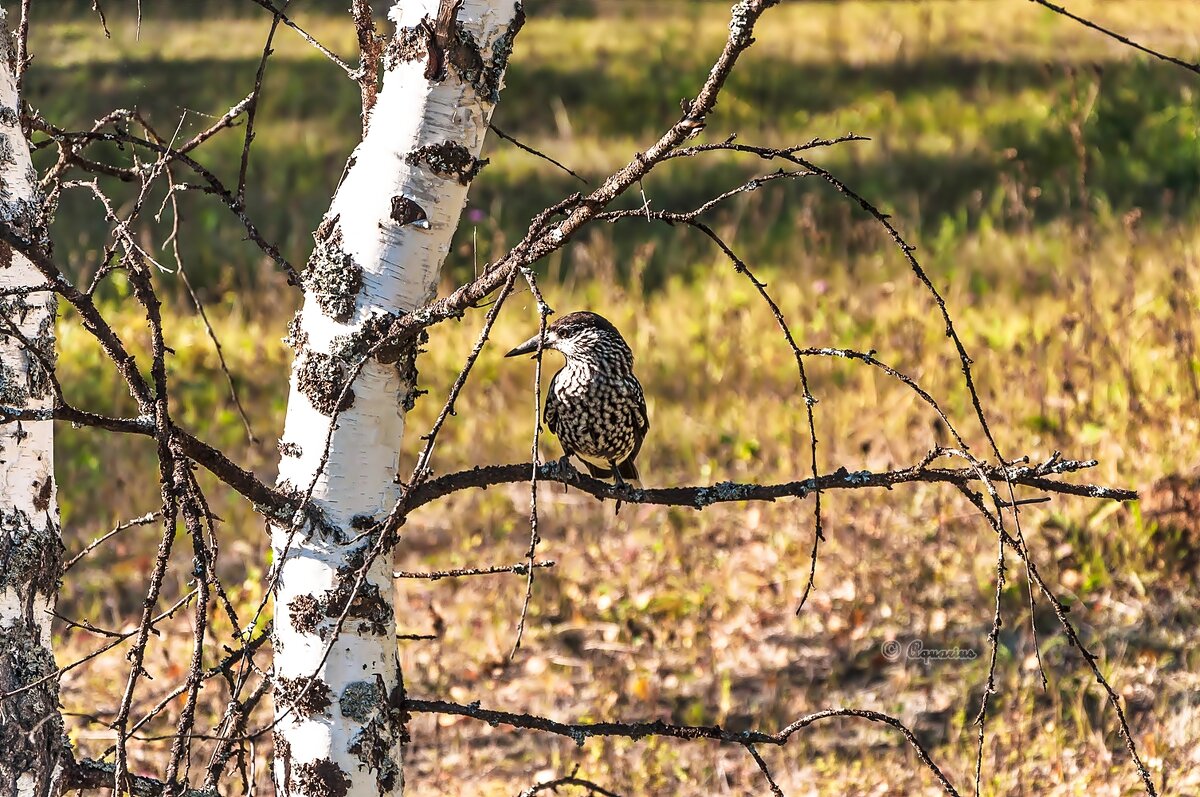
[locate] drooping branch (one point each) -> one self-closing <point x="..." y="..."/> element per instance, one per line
<point x="1112" y="34"/>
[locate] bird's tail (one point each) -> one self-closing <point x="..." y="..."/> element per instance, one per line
<point x="629" y="473"/>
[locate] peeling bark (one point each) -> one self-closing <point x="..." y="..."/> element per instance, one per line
<point x="378" y="255"/>
<point x="34" y="745"/>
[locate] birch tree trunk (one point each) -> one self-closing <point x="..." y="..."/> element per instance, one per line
<point x="378" y="253"/>
<point x="32" y="741"/>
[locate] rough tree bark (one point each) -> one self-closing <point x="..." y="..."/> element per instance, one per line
<point x="378" y="254"/>
<point x="31" y="729"/>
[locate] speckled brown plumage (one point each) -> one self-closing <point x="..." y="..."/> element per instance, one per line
<point x="595" y="405"/>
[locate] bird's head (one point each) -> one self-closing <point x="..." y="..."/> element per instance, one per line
<point x="579" y="334"/>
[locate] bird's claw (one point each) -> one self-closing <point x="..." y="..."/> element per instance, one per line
<point x="566" y="470"/>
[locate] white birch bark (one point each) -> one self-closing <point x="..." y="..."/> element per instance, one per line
<point x="31" y="729"/>
<point x="379" y="252"/>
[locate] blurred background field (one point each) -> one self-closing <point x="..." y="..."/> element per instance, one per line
<point x="1049" y="180"/>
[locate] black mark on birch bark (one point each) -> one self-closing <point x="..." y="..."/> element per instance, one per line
<point x="30" y="553"/>
<point x="41" y="499"/>
<point x="289" y="449"/>
<point x="321" y="778"/>
<point x="413" y="44"/>
<point x="368" y="605"/>
<point x="283" y="757"/>
<point x="458" y="47"/>
<point x="448" y="159"/>
<point x="31" y="734"/>
<point x="322" y="378"/>
<point x="406" y="211"/>
<point x="306" y="614"/>
<point x="308" y="698"/>
<point x="14" y="390"/>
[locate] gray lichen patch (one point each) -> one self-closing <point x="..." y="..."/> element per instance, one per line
<point x="333" y="278"/>
<point x="306" y="614"/>
<point x="6" y="150"/>
<point x="721" y="492"/>
<point x="368" y="703"/>
<point x="322" y="378"/>
<point x="351" y="349"/>
<point x="8" y="116"/>
<point x="31" y="554"/>
<point x="31" y="734"/>
<point x="310" y="696"/>
<point x="448" y="159"/>
<point x="14" y="387"/>
<point x="360" y="700"/>
<point x="320" y="778"/>
<point x="42" y="360"/>
<point x="24" y="215"/>
<point x="406" y="369"/>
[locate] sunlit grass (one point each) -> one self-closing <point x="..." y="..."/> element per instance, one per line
<point x="965" y="102"/>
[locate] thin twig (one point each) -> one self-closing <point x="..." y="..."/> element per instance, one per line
<point x="1191" y="67"/>
<point x="532" y="151"/>
<point x="145" y="519"/>
<point x="544" y="312"/>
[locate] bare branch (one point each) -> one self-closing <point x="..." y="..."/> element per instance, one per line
<point x="1191" y="67"/>
<point x="532" y="151"/>
<point x="581" y="732"/>
<point x="520" y="568"/>
<point x="1036" y="476"/>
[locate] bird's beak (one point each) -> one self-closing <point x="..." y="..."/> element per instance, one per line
<point x="529" y="347"/>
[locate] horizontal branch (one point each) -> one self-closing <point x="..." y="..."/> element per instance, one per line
<point x="520" y="568"/>
<point x="1035" y="476"/>
<point x="91" y="774"/>
<point x="271" y="501"/>
<point x="580" y="732"/>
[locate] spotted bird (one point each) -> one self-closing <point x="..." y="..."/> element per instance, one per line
<point x="595" y="406"/>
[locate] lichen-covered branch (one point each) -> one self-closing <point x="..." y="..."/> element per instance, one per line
<point x="1039" y="477"/>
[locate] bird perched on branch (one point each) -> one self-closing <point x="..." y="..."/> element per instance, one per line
<point x="595" y="405"/>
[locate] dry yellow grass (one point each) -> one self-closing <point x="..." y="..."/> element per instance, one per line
<point x="688" y="616"/>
